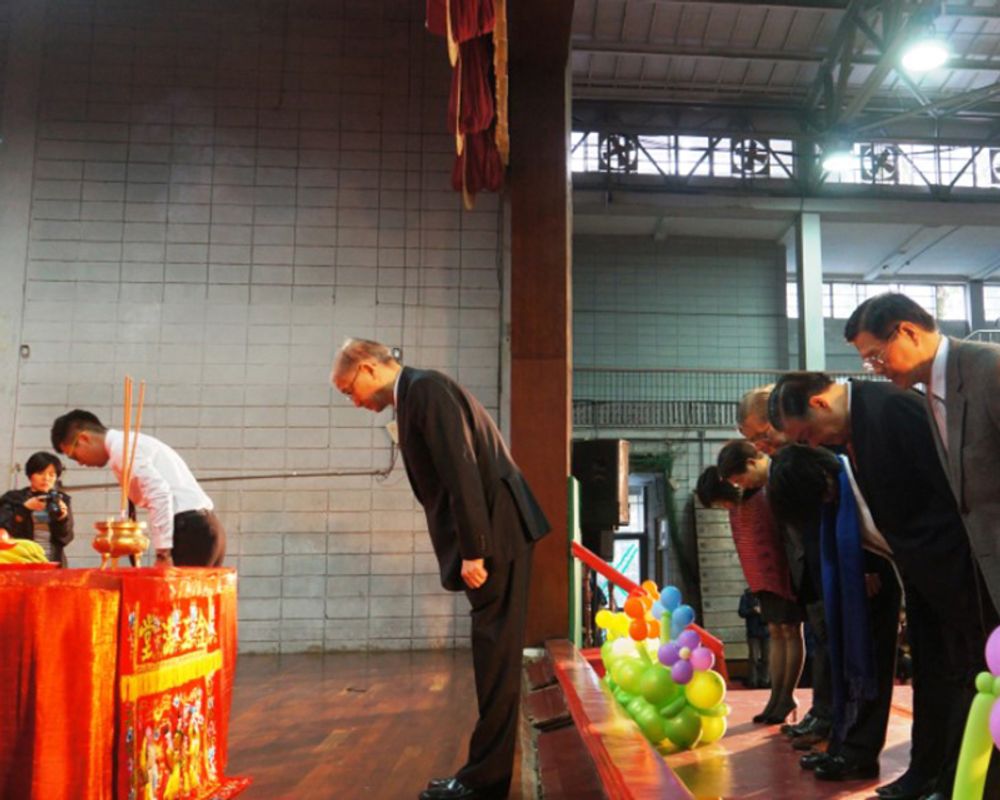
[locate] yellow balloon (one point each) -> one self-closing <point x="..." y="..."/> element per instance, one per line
<point x="621" y="623"/>
<point x="705" y="689"/>
<point x="603" y="619"/>
<point x="712" y="729"/>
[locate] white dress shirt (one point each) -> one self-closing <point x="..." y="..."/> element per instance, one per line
<point x="939" y="388"/>
<point x="161" y="483"/>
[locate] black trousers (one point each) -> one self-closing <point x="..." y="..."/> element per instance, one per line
<point x="822" y="689"/>
<point x="499" y="610"/>
<point x="865" y="739"/>
<point x="948" y="622"/>
<point x="199" y="539"/>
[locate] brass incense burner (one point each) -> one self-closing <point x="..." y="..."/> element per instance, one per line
<point x="119" y="537"/>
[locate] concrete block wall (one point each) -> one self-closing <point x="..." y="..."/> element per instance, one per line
<point x="220" y="193"/>
<point x="694" y="303"/>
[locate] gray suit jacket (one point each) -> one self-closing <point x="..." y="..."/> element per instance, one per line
<point x="972" y="460"/>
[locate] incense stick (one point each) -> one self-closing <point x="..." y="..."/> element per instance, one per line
<point x="135" y="431"/>
<point x="126" y="425"/>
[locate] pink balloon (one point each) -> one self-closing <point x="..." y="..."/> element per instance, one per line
<point x="702" y="658"/>
<point x="995" y="723"/>
<point x="682" y="672"/>
<point x="993" y="652"/>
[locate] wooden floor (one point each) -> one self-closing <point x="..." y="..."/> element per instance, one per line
<point x="377" y="726"/>
<point x="351" y="725"/>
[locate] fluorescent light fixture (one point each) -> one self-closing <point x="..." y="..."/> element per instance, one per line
<point x="838" y="157"/>
<point x="925" y="54"/>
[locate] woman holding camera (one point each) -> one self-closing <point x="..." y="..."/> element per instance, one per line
<point x="40" y="511"/>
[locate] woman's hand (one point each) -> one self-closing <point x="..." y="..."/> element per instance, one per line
<point x="35" y="504"/>
<point x="63" y="510"/>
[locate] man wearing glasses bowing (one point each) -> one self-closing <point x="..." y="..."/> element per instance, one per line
<point x="483" y="521"/>
<point x="900" y="340"/>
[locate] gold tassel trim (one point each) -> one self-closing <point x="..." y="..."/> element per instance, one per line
<point x="170" y="675"/>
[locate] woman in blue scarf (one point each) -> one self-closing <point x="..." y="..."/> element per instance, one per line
<point x="861" y="594"/>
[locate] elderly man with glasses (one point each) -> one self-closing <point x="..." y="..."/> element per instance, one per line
<point x="900" y="340"/>
<point x="483" y="521"/>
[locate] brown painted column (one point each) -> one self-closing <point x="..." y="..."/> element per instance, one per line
<point x="541" y="317"/>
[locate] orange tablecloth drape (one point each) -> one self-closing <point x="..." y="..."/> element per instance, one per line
<point x="116" y="684"/>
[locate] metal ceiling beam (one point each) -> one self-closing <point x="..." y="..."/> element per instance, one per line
<point x="948" y="105"/>
<point x="840" y="38"/>
<point x="949" y="9"/>
<point x="593" y="47"/>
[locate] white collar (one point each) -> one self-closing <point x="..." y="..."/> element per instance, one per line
<point x="939" y="381"/>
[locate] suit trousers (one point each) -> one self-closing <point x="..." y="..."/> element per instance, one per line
<point x="865" y="739"/>
<point x="499" y="610"/>
<point x="947" y="625"/>
<point x="822" y="689"/>
<point x="199" y="539"/>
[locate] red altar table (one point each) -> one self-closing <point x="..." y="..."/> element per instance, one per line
<point x="116" y="684"/>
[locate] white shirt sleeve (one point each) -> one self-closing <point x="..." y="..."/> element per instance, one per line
<point x="150" y="490"/>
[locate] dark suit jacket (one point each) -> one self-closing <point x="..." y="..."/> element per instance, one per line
<point x="21" y="525"/>
<point x="901" y="478"/>
<point x="477" y="502"/>
<point x="972" y="458"/>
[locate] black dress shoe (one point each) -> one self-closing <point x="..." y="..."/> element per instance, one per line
<point x="907" y="786"/>
<point x="798" y="728"/>
<point x="842" y="768"/>
<point x="936" y="796"/>
<point x="814" y="759"/>
<point x="454" y="789"/>
<point x="450" y="789"/>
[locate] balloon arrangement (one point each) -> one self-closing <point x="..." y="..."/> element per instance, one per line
<point x="659" y="672"/>
<point x="982" y="728"/>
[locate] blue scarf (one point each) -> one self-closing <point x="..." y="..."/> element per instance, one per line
<point x="852" y="657"/>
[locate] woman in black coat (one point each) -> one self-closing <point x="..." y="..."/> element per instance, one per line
<point x="39" y="511"/>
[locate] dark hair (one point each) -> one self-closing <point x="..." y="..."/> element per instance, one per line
<point x="41" y="461"/>
<point x="879" y="315"/>
<point x="791" y="394"/>
<point x="68" y="425"/>
<point x="733" y="458"/>
<point x="711" y="489"/>
<point x="798" y="482"/>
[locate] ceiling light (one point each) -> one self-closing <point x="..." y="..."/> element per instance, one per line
<point x="838" y="157"/>
<point x="927" y="53"/>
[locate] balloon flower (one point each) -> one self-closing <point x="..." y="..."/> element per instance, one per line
<point x="658" y="671"/>
<point x="982" y="728"/>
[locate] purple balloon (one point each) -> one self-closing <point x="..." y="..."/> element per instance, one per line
<point x="995" y="723"/>
<point x="669" y="654"/>
<point x="702" y="658"/>
<point x="993" y="652"/>
<point x="681" y="672"/>
<point x="689" y="639"/>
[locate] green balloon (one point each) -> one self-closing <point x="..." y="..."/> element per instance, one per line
<point x="674" y="706"/>
<point x="627" y="673"/>
<point x="977" y="745"/>
<point x="657" y="686"/>
<point x="651" y="724"/>
<point x="623" y="697"/>
<point x="684" y="728"/>
<point x="638" y="706"/>
<point x="607" y="653"/>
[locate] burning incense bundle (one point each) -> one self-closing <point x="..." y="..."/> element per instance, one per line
<point x="128" y="456"/>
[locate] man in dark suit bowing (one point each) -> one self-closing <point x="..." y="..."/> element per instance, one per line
<point x="483" y="521"/>
<point x="888" y="439"/>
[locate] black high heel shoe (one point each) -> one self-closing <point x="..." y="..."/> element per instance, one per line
<point x="778" y="715"/>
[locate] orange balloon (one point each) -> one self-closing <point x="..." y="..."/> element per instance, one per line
<point x="651" y="590"/>
<point x="637" y="630"/>
<point x="654" y="628"/>
<point x="634" y="608"/>
<point x="647" y="601"/>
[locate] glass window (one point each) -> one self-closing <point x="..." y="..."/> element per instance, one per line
<point x="792" y="300"/>
<point x="991" y="305"/>
<point x="845" y="299"/>
<point x="951" y="302"/>
<point x="636" y="511"/>
<point x="924" y="294"/>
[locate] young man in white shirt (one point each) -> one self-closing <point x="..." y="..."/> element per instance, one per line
<point x="183" y="527"/>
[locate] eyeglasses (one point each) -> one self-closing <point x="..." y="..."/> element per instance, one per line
<point x="876" y="361"/>
<point x="349" y="391"/>
<point x="68" y="451"/>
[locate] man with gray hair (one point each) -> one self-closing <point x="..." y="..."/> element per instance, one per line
<point x="753" y="424"/>
<point x="483" y="522"/>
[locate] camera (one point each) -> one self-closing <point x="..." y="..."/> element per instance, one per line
<point x="52" y="507"/>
